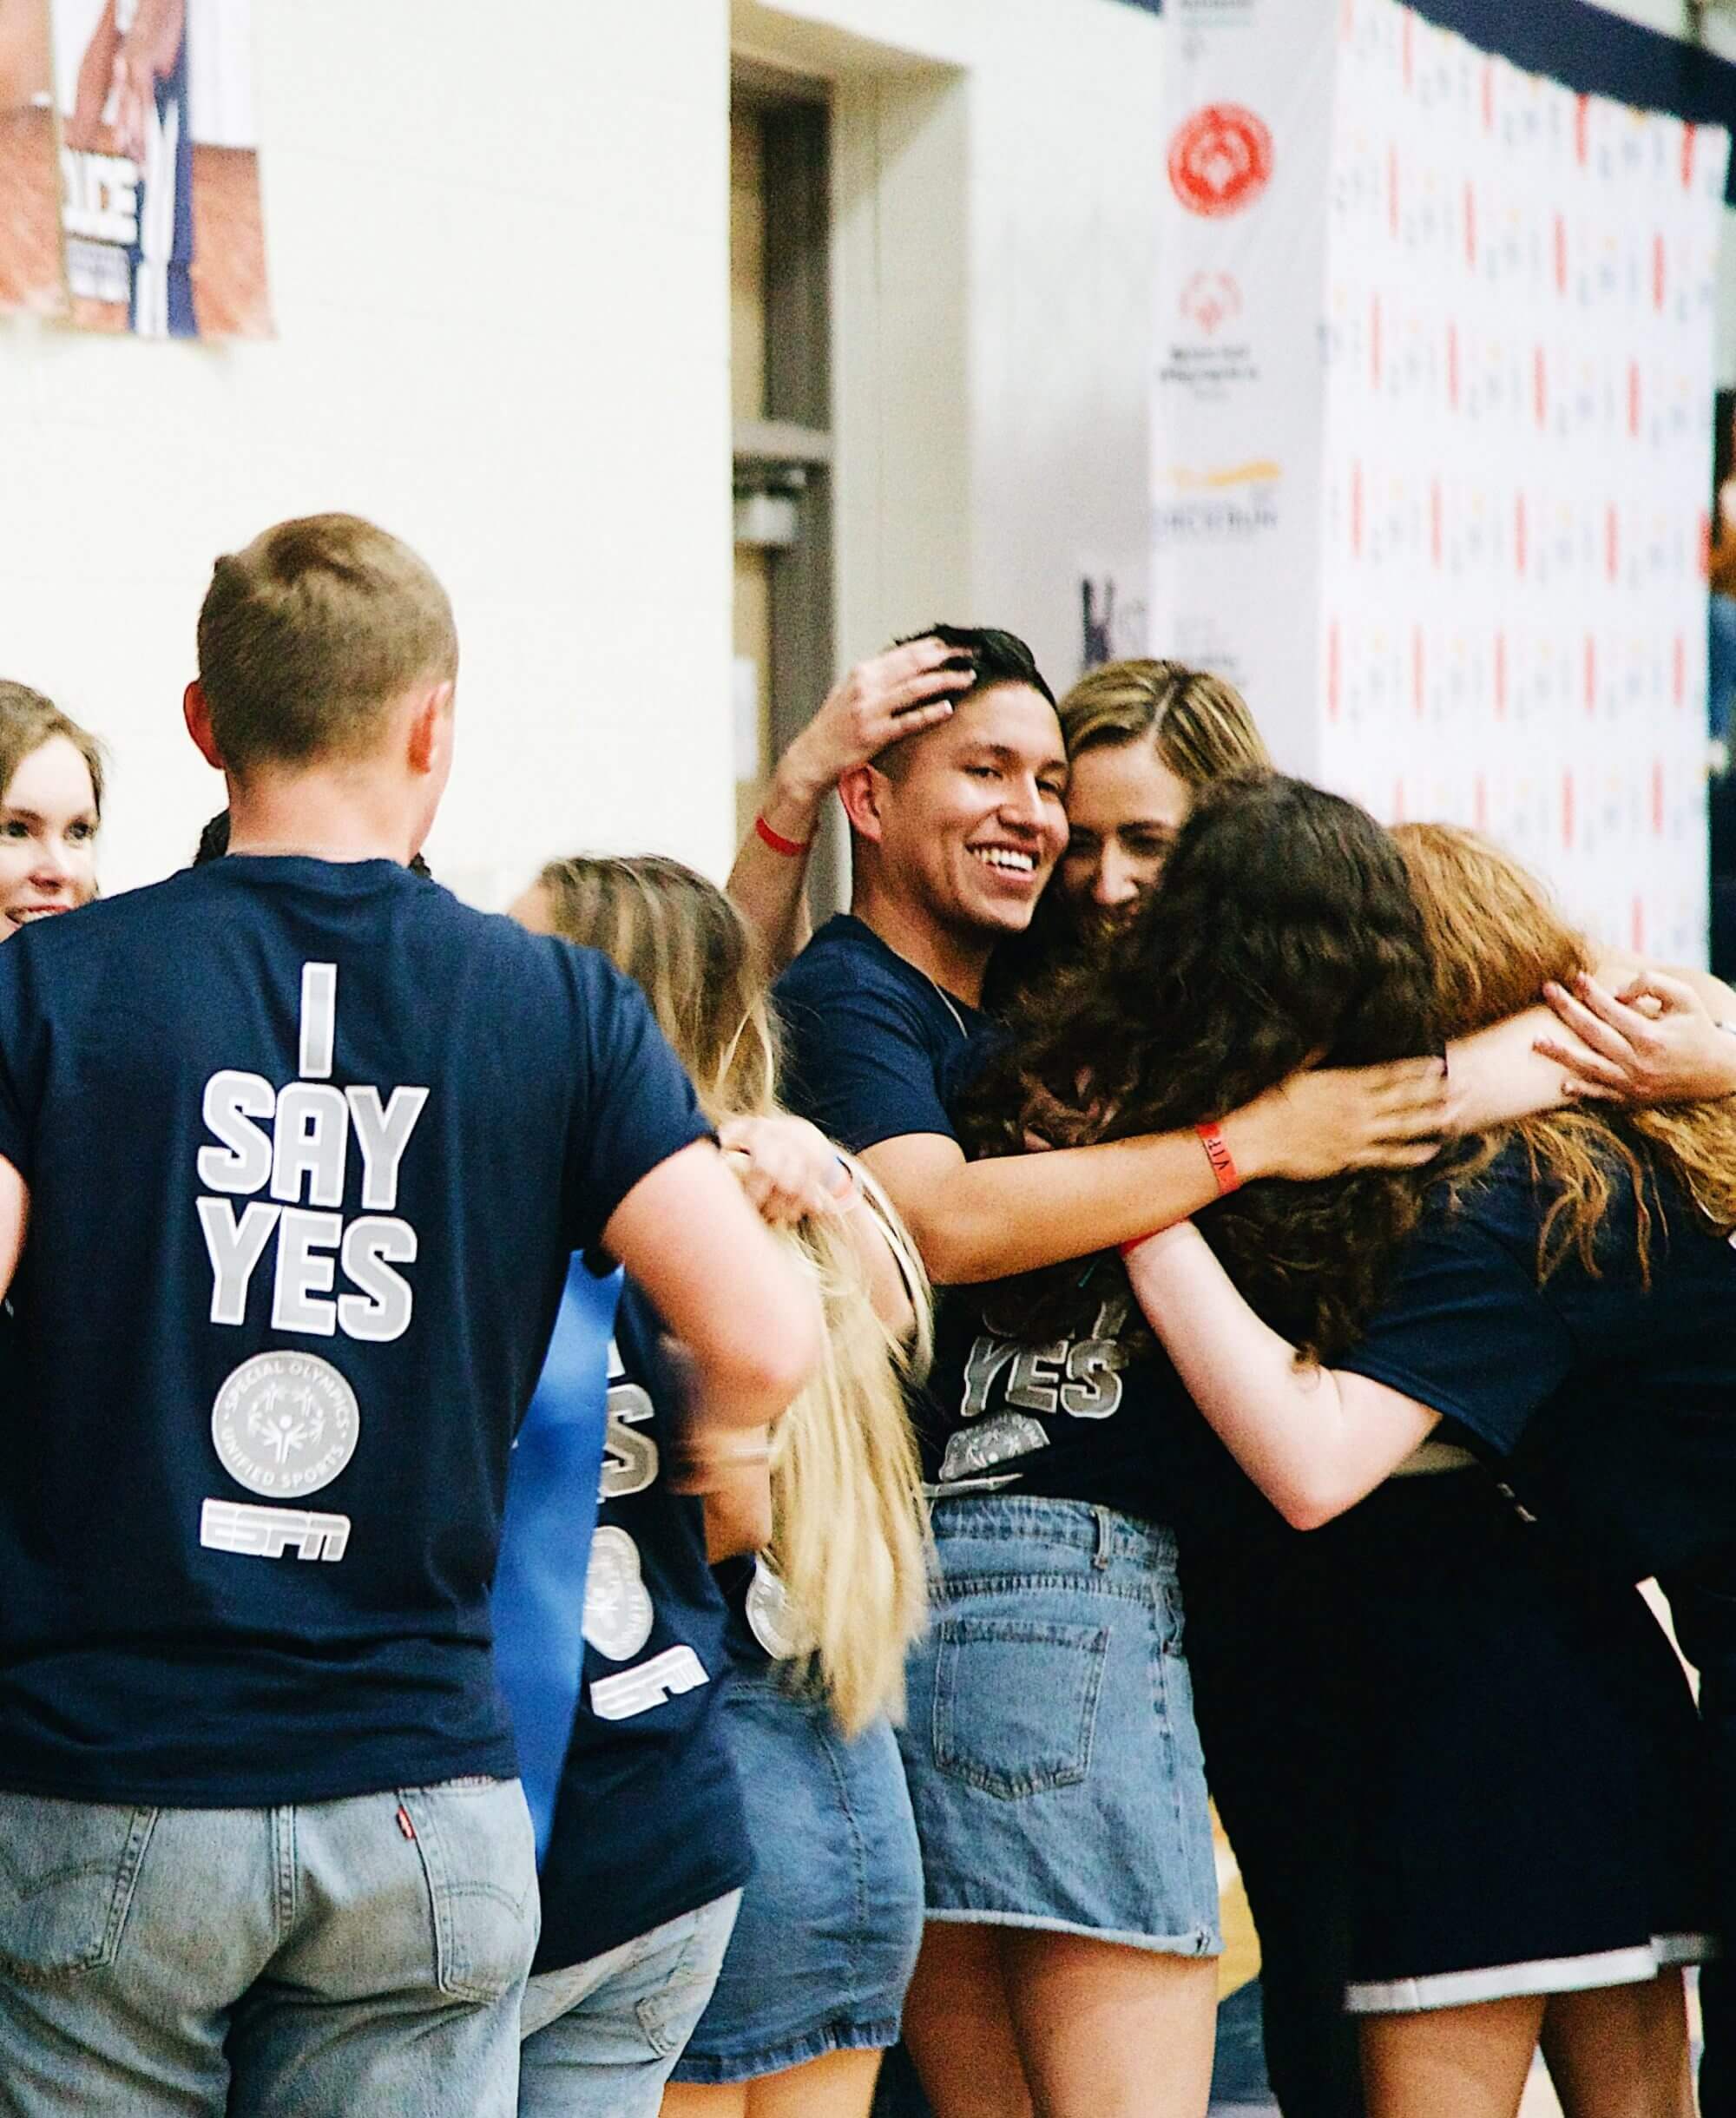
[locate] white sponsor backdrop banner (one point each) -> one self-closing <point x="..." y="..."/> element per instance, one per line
<point x="1236" y="434"/>
<point x="1494" y="608"/>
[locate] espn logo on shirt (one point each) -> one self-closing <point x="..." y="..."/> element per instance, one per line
<point x="269" y="1533"/>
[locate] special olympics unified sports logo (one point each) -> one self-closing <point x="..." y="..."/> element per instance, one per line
<point x="1210" y="299"/>
<point x="1220" y="159"/>
<point x="285" y="1425"/>
<point x="619" y="1615"/>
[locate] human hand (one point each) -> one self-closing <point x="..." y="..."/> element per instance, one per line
<point x="729" y="1464"/>
<point x="132" y="103"/>
<point x="1321" y="1122"/>
<point x="116" y="102"/>
<point x="1654" y="1041"/>
<point x="888" y="696"/>
<point x="788" y="1168"/>
<point x="83" y="130"/>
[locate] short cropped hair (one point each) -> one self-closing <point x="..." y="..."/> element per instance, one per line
<point x="308" y="635"/>
<point x="997" y="657"/>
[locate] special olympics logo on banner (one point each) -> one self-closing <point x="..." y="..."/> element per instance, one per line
<point x="1220" y="159"/>
<point x="1211" y="300"/>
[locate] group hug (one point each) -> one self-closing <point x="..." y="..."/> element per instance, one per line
<point x="618" y="1509"/>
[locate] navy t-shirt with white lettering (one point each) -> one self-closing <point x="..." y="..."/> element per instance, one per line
<point x="873" y="1049"/>
<point x="1092" y="1411"/>
<point x="648" y="1822"/>
<point x="1082" y="1413"/>
<point x="1608" y="1403"/>
<point x="308" y="1146"/>
<point x="876" y="1050"/>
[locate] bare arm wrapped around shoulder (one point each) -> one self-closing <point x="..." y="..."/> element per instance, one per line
<point x="1625" y="1035"/>
<point x="720" y="1280"/>
<point x="987" y="1220"/>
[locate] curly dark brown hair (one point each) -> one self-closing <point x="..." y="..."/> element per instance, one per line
<point x="1285" y="934"/>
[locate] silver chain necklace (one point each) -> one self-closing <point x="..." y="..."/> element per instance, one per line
<point x="947" y="1002"/>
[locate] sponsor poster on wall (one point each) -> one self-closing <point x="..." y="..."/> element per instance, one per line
<point x="164" y="235"/>
<point x="129" y="178"/>
<point x="32" y="279"/>
<point x="1432" y="431"/>
<point x="1518" y="446"/>
<point x="1235" y="430"/>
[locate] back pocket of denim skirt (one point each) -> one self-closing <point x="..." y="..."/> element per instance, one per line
<point x="1016" y="1702"/>
<point x="67" y="1874"/>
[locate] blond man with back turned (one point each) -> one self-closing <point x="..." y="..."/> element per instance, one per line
<point x="325" y="1138"/>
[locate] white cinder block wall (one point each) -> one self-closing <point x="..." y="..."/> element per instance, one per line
<point x="498" y="251"/>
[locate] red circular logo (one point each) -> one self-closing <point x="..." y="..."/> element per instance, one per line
<point x="1220" y="159"/>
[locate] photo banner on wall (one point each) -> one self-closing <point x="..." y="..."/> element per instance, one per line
<point x="31" y="278"/>
<point x="164" y="234"/>
<point x="1477" y="593"/>
<point x="1235" y="472"/>
<point x="1521" y="309"/>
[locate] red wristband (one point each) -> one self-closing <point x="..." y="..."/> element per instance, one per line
<point x="790" y="848"/>
<point x="1218" y="1153"/>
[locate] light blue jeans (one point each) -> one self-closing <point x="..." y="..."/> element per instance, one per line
<point x="600" y="2036"/>
<point x="324" y="1959"/>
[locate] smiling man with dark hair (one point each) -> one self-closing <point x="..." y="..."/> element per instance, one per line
<point x="956" y="829"/>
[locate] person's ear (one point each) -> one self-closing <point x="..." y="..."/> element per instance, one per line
<point x="430" y="730"/>
<point x="863" y="791"/>
<point x="195" y="711"/>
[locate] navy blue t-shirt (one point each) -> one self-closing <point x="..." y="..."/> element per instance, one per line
<point x="308" y="1147"/>
<point x="876" y="1050"/>
<point x="873" y="1049"/>
<point x="761" y="1630"/>
<point x="649" y="1822"/>
<point x="1089" y="1412"/>
<point x="1093" y="1413"/>
<point x="1609" y="1406"/>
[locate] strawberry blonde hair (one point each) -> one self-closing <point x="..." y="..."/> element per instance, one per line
<point x="1497" y="936"/>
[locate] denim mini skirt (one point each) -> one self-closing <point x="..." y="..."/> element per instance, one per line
<point x="826" y="1937"/>
<point x="1053" y="1765"/>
